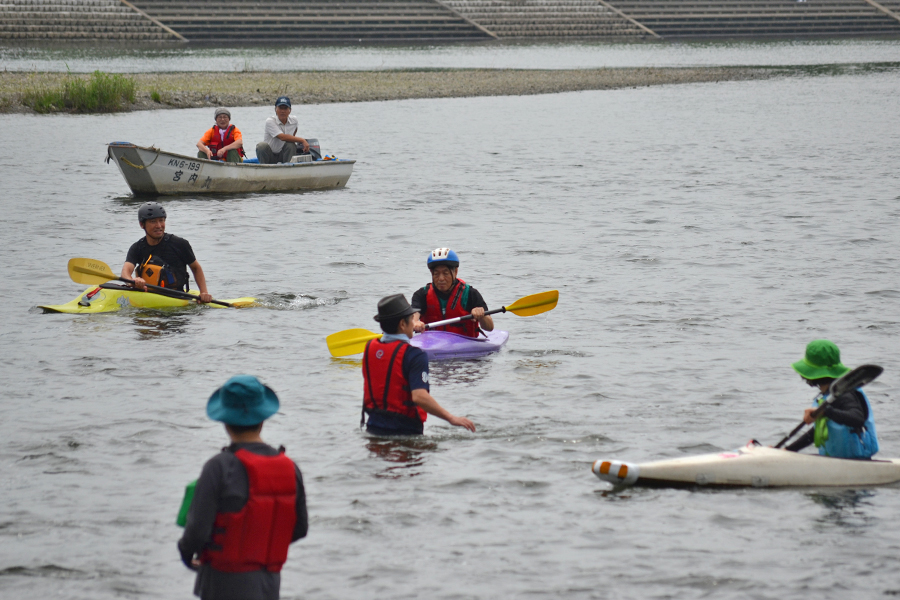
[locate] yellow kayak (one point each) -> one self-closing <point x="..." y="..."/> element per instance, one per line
<point x="97" y="300"/>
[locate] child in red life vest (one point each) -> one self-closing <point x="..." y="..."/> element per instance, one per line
<point x="396" y="393"/>
<point x="249" y="503"/>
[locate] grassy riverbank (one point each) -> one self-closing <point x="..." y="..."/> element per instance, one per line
<point x="192" y="90"/>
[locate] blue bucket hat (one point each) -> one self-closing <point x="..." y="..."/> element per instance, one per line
<point x="243" y="400"/>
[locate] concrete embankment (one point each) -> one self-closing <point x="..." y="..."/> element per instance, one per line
<point x="192" y="90"/>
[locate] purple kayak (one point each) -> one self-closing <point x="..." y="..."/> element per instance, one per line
<point x="441" y="345"/>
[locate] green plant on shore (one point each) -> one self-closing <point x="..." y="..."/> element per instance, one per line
<point x="154" y="95"/>
<point x="101" y="92"/>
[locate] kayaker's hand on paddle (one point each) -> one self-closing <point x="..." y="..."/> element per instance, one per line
<point x="807" y="416"/>
<point x="418" y="326"/>
<point x="461" y="422"/>
<point x="140" y="284"/>
<point x="485" y="321"/>
<point x="204" y="298"/>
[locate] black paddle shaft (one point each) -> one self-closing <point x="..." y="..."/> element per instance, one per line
<point x="857" y="378"/>
<point x="172" y="293"/>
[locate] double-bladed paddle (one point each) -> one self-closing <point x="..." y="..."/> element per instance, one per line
<point x="92" y="272"/>
<point x="858" y="377"/>
<point x="353" y="341"/>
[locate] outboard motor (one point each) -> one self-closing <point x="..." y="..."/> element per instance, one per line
<point x="314" y="150"/>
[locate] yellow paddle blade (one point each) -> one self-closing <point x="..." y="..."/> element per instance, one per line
<point x="534" y="304"/>
<point x="349" y="341"/>
<point x="89" y="271"/>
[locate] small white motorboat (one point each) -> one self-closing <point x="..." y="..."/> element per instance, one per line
<point x="155" y="172"/>
<point x="751" y="466"/>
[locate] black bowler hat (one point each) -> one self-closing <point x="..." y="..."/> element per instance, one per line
<point x="393" y="307"/>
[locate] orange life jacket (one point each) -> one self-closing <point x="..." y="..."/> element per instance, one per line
<point x="218" y="141"/>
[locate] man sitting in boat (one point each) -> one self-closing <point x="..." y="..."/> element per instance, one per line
<point x="447" y="297"/>
<point x="223" y="141"/>
<point x="396" y="395"/>
<point x="280" y="141"/>
<point x="160" y="258"/>
<point x="846" y="430"/>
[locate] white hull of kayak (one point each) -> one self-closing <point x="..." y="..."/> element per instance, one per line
<point x="751" y="466"/>
<point x="155" y="172"/>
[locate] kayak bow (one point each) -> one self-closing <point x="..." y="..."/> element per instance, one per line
<point x="751" y="466"/>
<point x="442" y="345"/>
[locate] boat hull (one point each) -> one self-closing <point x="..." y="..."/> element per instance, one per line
<point x="442" y="345"/>
<point x="149" y="171"/>
<point x="110" y="300"/>
<point x="751" y="466"/>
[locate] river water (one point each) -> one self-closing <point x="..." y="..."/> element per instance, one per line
<point x="699" y="235"/>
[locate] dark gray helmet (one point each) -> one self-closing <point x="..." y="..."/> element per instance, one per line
<point x="151" y="210"/>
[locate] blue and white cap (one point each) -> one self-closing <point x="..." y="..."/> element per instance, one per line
<point x="283" y="101"/>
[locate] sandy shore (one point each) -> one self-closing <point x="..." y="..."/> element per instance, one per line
<point x="192" y="90"/>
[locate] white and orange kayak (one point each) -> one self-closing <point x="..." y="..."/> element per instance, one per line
<point x="751" y="466"/>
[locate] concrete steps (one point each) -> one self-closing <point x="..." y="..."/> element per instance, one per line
<point x="759" y="18"/>
<point x="312" y="21"/>
<point x="546" y="18"/>
<point x="76" y="20"/>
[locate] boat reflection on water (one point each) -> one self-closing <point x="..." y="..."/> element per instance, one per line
<point x="845" y="508"/>
<point x="152" y="327"/>
<point x="406" y="454"/>
<point x="459" y="370"/>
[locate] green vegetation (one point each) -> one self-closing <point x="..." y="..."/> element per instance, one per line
<point x="101" y="92"/>
<point x="154" y="95"/>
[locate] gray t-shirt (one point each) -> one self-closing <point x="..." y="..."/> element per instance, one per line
<point x="274" y="126"/>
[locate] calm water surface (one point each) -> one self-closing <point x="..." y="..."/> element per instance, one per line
<point x="699" y="235"/>
<point x="579" y="55"/>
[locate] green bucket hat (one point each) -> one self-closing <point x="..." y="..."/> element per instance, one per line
<point x="822" y="359"/>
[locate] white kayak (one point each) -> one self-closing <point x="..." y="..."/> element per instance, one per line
<point x="751" y="466"/>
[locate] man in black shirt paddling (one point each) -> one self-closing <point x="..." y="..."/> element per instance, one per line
<point x="160" y="258"/>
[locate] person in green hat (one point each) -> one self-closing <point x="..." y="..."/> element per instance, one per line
<point x="846" y="429"/>
<point x="249" y="503"/>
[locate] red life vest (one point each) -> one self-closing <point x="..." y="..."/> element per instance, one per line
<point x="257" y="537"/>
<point x="454" y="309"/>
<point x="217" y="141"/>
<point x="384" y="386"/>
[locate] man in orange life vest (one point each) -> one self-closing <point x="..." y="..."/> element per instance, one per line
<point x="395" y="377"/>
<point x="249" y="503"/>
<point x="160" y="258"/>
<point x="447" y="297"/>
<point x="223" y="141"/>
